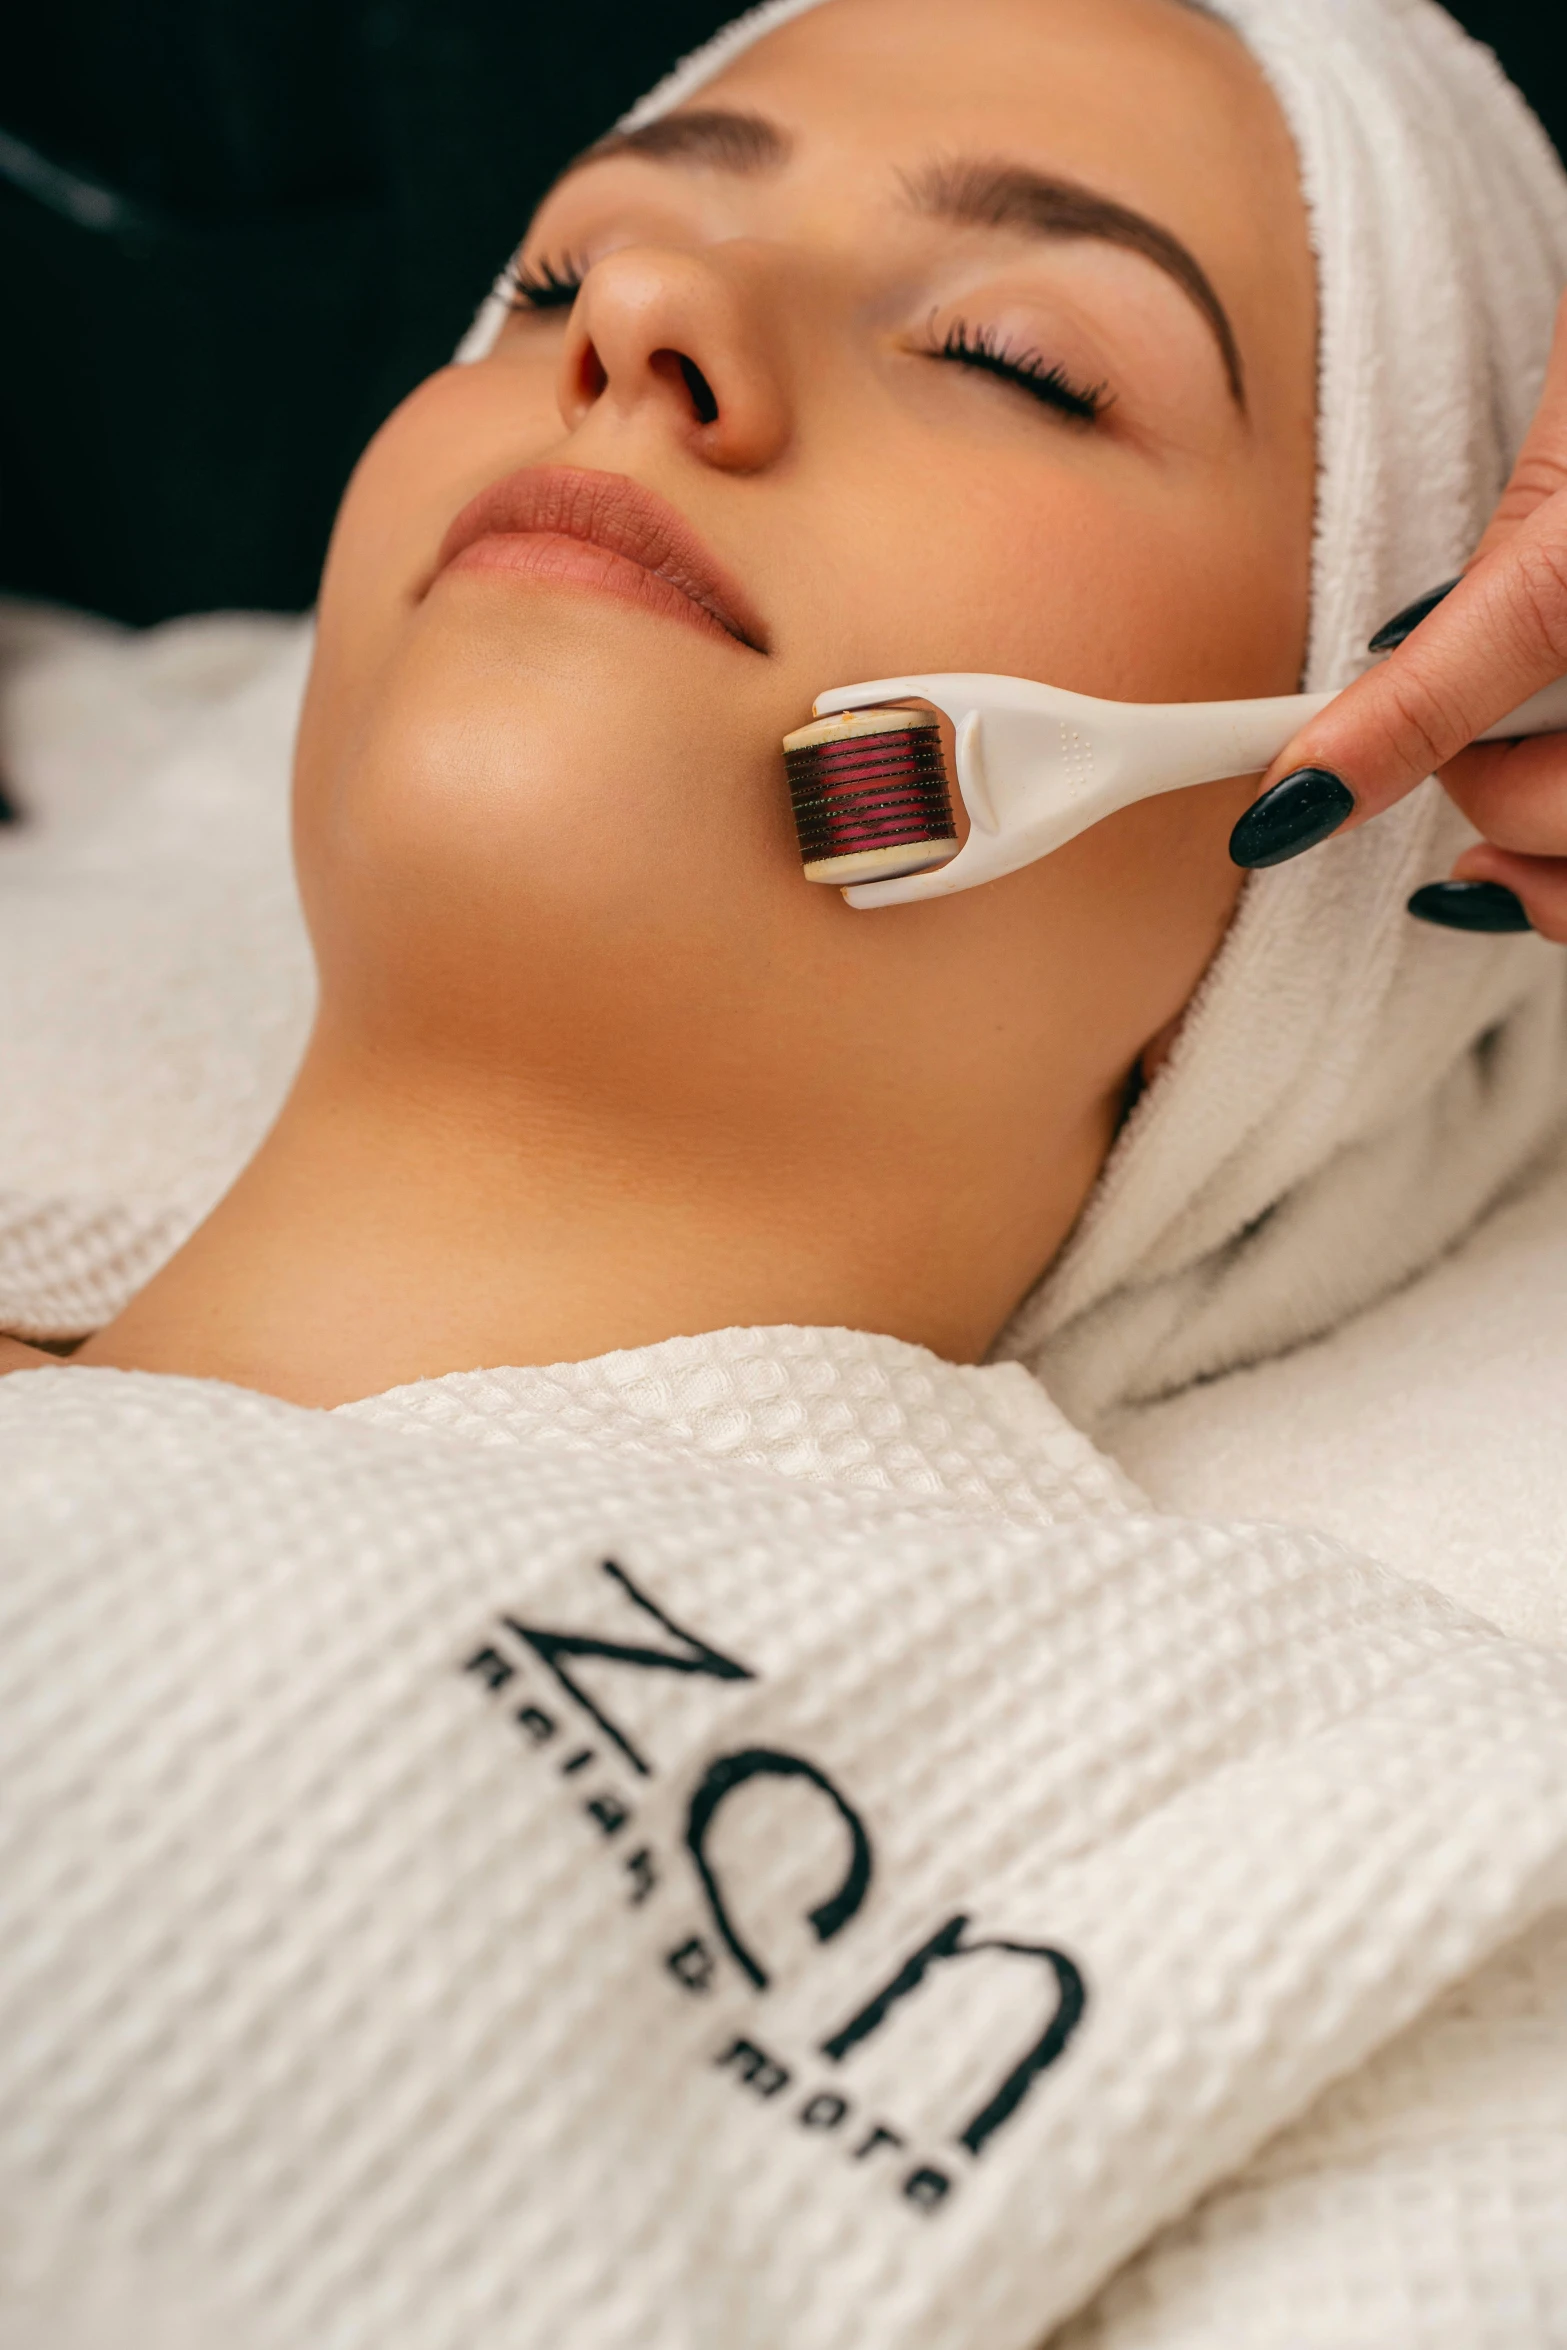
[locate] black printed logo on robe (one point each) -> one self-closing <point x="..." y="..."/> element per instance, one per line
<point x="678" y="1651"/>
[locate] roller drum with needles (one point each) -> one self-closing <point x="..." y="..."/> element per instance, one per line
<point x="870" y="795"/>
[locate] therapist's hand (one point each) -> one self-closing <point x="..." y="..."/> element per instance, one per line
<point x="1467" y="654"/>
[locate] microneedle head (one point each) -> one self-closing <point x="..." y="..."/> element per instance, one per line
<point x="871" y="795"/>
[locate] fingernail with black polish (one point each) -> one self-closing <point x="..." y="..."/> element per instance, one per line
<point x="1393" y="632"/>
<point x="1469" y="905"/>
<point x="1298" y="812"/>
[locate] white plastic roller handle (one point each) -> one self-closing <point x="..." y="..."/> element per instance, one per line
<point x="1037" y="765"/>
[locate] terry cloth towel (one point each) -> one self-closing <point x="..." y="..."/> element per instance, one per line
<point x="690" y="1872"/>
<point x="1350" y="1089"/>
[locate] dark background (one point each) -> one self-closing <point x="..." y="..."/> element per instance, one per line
<point x="234" y="232"/>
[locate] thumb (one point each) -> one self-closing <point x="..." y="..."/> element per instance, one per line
<point x="1496" y="638"/>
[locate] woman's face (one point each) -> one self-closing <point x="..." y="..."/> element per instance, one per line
<point x="949" y="339"/>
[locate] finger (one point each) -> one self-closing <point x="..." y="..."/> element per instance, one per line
<point x="1541" y="470"/>
<point x="1514" y="793"/>
<point x="1539" y="883"/>
<point x="1496" y="640"/>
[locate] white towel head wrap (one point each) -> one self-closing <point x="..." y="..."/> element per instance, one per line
<point x="1350" y="1089"/>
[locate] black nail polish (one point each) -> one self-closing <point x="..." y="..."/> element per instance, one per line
<point x="1393" y="632"/>
<point x="1294" y="815"/>
<point x="1469" y="905"/>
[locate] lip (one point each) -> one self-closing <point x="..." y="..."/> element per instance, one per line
<point x="600" y="530"/>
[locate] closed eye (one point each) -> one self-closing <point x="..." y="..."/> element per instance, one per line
<point x="542" y="285"/>
<point x="1044" y="380"/>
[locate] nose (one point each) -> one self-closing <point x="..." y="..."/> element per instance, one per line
<point x="683" y="339"/>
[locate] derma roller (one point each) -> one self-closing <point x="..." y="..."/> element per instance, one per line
<point x="1036" y="766"/>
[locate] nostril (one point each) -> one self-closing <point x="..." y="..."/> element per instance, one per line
<point x="591" y="374"/>
<point x="701" y="391"/>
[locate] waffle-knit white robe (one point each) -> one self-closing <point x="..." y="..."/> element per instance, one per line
<point x="764" y="1843"/>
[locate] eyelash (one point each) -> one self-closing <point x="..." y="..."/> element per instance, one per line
<point x="555" y="285"/>
<point x="983" y="348"/>
<point x="547" y="285"/>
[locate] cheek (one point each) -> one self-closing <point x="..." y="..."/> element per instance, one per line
<point x="403" y="492"/>
<point x="1135" y="910"/>
<point x="1111" y="577"/>
<point x="1071" y="966"/>
<point x="451" y="436"/>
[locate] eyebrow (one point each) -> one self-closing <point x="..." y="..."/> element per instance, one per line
<point x="975" y="193"/>
<point x="720" y="137"/>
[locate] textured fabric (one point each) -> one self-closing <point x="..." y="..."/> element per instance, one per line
<point x="1412" y="2205"/>
<point x="1428" y="1431"/>
<point x="154" y="973"/>
<point x="1350" y="1089"/>
<point x="360" y="1982"/>
<point x="838" y="1406"/>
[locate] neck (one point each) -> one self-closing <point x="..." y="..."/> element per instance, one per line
<point x="391" y="1228"/>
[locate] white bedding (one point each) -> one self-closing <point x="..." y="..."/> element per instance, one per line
<point x="155" y="982"/>
<point x="1431" y="1431"/>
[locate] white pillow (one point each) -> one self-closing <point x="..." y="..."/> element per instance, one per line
<point x="155" y="982"/>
